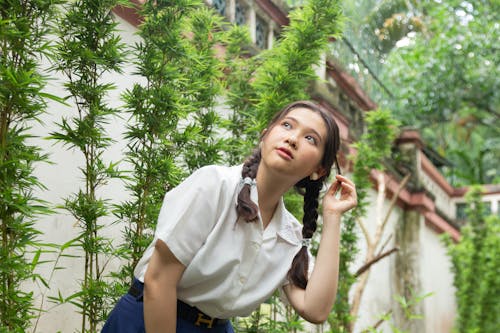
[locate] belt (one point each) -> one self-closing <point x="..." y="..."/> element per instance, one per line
<point x="184" y="311"/>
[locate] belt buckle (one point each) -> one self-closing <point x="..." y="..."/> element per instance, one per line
<point x="203" y="319"/>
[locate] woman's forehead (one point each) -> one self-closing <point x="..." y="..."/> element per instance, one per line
<point x="309" y="118"/>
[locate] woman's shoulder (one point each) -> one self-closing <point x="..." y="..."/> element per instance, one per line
<point x="219" y="172"/>
<point x="217" y="175"/>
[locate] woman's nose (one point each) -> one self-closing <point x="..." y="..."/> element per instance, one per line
<point x="292" y="141"/>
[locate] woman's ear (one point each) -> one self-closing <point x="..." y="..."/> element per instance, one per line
<point x="320" y="172"/>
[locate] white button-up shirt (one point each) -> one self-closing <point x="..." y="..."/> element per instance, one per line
<point x="231" y="266"/>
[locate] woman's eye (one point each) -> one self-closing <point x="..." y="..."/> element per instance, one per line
<point x="311" y="139"/>
<point x="286" y="124"/>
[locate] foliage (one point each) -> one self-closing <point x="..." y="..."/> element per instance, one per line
<point x="282" y="74"/>
<point x="373" y="29"/>
<point x="155" y="109"/>
<point x="240" y="95"/>
<point x="24" y="27"/>
<point x="287" y="69"/>
<point x="433" y="63"/>
<point x="270" y="317"/>
<point x="204" y="85"/>
<point x="476" y="263"/>
<point x="445" y="83"/>
<point x="407" y="306"/>
<point x="371" y="150"/>
<point x="88" y="47"/>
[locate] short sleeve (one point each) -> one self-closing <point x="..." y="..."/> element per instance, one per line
<point x="190" y="211"/>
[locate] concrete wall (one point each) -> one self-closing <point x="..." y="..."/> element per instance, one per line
<point x="378" y="295"/>
<point x="437" y="278"/>
<point x="62" y="178"/>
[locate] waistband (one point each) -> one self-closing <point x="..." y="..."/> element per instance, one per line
<point x="184" y="311"/>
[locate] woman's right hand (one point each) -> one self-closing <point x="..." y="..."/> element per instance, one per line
<point x="160" y="290"/>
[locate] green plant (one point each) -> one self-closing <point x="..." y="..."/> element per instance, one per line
<point x="240" y="96"/>
<point x="271" y="317"/>
<point x="407" y="306"/>
<point x="45" y="284"/>
<point x="282" y="74"/>
<point x="24" y="27"/>
<point x="204" y="72"/>
<point x="445" y="84"/>
<point x="373" y="147"/>
<point x="154" y="136"/>
<point x="287" y="69"/>
<point x="88" y="47"/>
<point x="476" y="261"/>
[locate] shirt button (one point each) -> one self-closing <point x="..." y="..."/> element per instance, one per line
<point x="256" y="246"/>
<point x="242" y="280"/>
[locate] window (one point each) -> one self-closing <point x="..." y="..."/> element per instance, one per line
<point x="487" y="207"/>
<point x="260" y="33"/>
<point x="220" y="6"/>
<point x="239" y="15"/>
<point x="461" y="215"/>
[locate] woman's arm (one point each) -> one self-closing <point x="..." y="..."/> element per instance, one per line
<point x="160" y="290"/>
<point x="315" y="302"/>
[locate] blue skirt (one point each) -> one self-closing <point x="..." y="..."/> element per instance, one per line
<point x="128" y="317"/>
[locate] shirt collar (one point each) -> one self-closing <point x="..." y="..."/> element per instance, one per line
<point x="282" y="225"/>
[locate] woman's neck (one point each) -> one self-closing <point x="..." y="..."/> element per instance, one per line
<point x="270" y="187"/>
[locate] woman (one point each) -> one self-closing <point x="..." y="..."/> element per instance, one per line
<point x="225" y="242"/>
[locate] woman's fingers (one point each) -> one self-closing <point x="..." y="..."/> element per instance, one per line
<point x="347" y="198"/>
<point x="350" y="192"/>
<point x="333" y="188"/>
<point x="344" y="179"/>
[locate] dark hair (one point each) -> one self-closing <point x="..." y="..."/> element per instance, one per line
<point x="248" y="210"/>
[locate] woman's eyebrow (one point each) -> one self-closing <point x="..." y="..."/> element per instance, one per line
<point x="308" y="128"/>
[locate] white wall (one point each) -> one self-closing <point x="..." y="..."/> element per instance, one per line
<point x="62" y="178"/>
<point x="436" y="277"/>
<point x="378" y="294"/>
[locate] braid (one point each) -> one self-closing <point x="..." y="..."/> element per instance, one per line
<point x="311" y="208"/>
<point x="246" y="208"/>
<point x="298" y="273"/>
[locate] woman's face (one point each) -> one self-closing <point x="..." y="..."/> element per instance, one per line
<point x="295" y="144"/>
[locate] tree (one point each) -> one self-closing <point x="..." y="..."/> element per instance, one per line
<point x="373" y="29"/>
<point x="88" y="47"/>
<point x="173" y="125"/>
<point x="476" y="263"/>
<point x="204" y="72"/>
<point x="372" y="148"/>
<point x="445" y="83"/>
<point x="434" y="64"/>
<point x="287" y="69"/>
<point x="280" y="75"/>
<point x="155" y="109"/>
<point x="24" y="27"/>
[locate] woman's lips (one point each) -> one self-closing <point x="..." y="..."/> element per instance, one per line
<point x="287" y="154"/>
